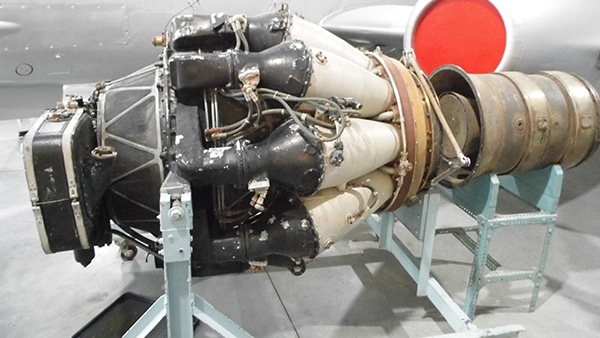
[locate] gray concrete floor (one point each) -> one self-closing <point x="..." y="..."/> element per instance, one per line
<point x="352" y="290"/>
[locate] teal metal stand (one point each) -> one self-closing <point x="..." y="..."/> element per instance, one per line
<point x="539" y="189"/>
<point x="179" y="304"/>
<point x="421" y="219"/>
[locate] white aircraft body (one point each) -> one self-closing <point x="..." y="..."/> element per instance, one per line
<point x="45" y="45"/>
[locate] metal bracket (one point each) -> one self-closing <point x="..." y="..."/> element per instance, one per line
<point x="461" y="161"/>
<point x="179" y="304"/>
<point x="453" y="165"/>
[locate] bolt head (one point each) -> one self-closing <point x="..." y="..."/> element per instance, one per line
<point x="175" y="214"/>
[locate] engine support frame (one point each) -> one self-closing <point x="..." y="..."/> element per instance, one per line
<point x="540" y="189"/>
<point x="419" y="269"/>
<point x="179" y="304"/>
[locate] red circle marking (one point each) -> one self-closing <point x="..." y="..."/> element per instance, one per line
<point x="467" y="33"/>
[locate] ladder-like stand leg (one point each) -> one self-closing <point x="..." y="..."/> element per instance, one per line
<point x="539" y="189"/>
<point x="178" y="303"/>
<point x="539" y="273"/>
<point x="479" y="261"/>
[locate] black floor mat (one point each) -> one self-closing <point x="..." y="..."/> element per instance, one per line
<point x="119" y="316"/>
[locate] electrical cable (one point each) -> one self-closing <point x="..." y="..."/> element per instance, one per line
<point x="300" y="119"/>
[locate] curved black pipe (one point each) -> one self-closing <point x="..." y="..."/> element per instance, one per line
<point x="285" y="67"/>
<point x="211" y="33"/>
<point x="284" y="229"/>
<point x="286" y="157"/>
<point x="267" y="30"/>
<point x="206" y="32"/>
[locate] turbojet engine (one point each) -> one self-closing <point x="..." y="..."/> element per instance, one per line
<point x="289" y="138"/>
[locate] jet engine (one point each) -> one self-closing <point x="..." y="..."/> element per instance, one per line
<point x="289" y="138"/>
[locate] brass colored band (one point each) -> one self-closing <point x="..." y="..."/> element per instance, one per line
<point x="409" y="123"/>
<point x="419" y="127"/>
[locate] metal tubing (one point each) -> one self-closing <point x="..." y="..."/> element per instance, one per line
<point x="291" y="67"/>
<point x="284" y="228"/>
<point x="213" y="33"/>
<point x="285" y="67"/>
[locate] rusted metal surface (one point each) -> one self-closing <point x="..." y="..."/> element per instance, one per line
<point x="584" y="121"/>
<point x="527" y="121"/>
<point x="405" y="108"/>
<point x="461" y="117"/>
<point x="420" y="127"/>
<point x="422" y="134"/>
<point x="434" y="139"/>
<point x="538" y="152"/>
